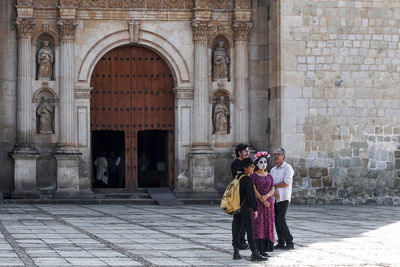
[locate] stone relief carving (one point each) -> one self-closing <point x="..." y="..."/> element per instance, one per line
<point x="242" y="4"/>
<point x="242" y="30"/>
<point x="135" y="3"/>
<point x="25" y="27"/>
<point x="221" y="61"/>
<point x="94" y="3"/>
<point x="222" y="4"/>
<point x="45" y="59"/>
<point x="45" y="116"/>
<point x="201" y="29"/>
<point x="69" y="3"/>
<point x="134" y="28"/>
<point x="221" y="115"/>
<point x="25" y="2"/>
<point x="45" y="3"/>
<point x="202" y="4"/>
<point x="67" y="29"/>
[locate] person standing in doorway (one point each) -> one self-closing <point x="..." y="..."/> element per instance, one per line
<point x="283" y="178"/>
<point x="241" y="152"/>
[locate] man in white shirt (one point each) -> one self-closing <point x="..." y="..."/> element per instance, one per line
<point x="283" y="178"/>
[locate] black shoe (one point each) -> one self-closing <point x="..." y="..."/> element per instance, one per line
<point x="264" y="254"/>
<point x="288" y="246"/>
<point x="257" y="257"/>
<point x="243" y="246"/>
<point x="279" y="246"/>
<point x="236" y="254"/>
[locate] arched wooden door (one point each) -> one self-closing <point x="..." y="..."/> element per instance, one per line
<point x="132" y="92"/>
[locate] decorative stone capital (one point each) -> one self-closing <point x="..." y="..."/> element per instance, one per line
<point x="134" y="28"/>
<point x="82" y="94"/>
<point x="67" y="29"/>
<point x="25" y="27"/>
<point x="242" y="30"/>
<point x="184" y="93"/>
<point x="201" y="29"/>
<point x="69" y="3"/>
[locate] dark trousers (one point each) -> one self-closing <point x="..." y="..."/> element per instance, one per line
<point x="243" y="236"/>
<point x="240" y="221"/>
<point x="282" y="230"/>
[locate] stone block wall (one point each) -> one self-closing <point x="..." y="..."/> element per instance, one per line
<point x="340" y="99"/>
<point x="258" y="77"/>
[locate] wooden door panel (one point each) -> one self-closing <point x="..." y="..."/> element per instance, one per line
<point x="132" y="91"/>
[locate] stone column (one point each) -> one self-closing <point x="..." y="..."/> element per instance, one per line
<point x="241" y="39"/>
<point x="201" y="30"/>
<point x="24" y="153"/>
<point x="201" y="157"/>
<point x="67" y="154"/>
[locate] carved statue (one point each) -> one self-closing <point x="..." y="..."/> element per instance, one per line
<point x="220" y="62"/>
<point x="45" y="59"/>
<point x="220" y="116"/>
<point x="45" y="115"/>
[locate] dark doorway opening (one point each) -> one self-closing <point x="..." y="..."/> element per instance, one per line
<point x="108" y="156"/>
<point x="152" y="161"/>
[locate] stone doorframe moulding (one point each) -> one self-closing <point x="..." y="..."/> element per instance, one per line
<point x="171" y="55"/>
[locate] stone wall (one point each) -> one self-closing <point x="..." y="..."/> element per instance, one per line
<point x="8" y="48"/>
<point x="258" y="77"/>
<point x="340" y="123"/>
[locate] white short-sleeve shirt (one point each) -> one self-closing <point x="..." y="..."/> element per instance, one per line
<point x="284" y="173"/>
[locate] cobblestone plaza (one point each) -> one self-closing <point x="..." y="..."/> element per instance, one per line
<point x="190" y="235"/>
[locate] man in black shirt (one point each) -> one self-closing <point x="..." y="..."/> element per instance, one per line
<point x="243" y="218"/>
<point x="241" y="152"/>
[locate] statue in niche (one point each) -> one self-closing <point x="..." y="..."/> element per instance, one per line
<point x="221" y="116"/>
<point x="45" y="59"/>
<point x="45" y="113"/>
<point x="220" y="62"/>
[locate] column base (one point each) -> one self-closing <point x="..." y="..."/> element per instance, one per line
<point x="67" y="172"/>
<point x="25" y="172"/>
<point x="202" y="173"/>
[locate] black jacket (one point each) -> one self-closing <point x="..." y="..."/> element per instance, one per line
<point x="247" y="194"/>
<point x="235" y="167"/>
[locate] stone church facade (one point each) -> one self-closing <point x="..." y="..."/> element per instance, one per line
<point x="190" y="79"/>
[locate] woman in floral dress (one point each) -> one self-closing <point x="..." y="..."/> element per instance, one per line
<point x="264" y="188"/>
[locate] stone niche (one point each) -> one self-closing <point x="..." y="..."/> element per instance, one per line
<point x="46" y="100"/>
<point x="221" y="59"/>
<point x="45" y="57"/>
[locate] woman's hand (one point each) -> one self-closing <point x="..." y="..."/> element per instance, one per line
<point x="267" y="204"/>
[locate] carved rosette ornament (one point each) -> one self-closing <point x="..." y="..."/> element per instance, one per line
<point x="202" y="4"/>
<point x="67" y="29"/>
<point x="201" y="29"/>
<point x="242" y="30"/>
<point x="25" y="27"/>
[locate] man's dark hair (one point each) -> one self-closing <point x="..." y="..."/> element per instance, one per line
<point x="239" y="148"/>
<point x="244" y="163"/>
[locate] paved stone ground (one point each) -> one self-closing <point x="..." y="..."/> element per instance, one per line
<point x="150" y="235"/>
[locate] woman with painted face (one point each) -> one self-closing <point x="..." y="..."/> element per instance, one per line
<point x="264" y="189"/>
